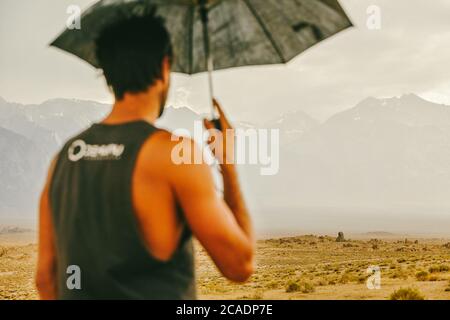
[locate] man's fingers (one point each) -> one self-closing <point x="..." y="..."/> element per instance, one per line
<point x="208" y="124"/>
<point x="223" y="118"/>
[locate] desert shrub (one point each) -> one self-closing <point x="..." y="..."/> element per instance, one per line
<point x="422" y="276"/>
<point x="439" y="268"/>
<point x="399" y="274"/>
<point x="301" y="286"/>
<point x="321" y="282"/>
<point x="292" y="287"/>
<point x="273" y="285"/>
<point x="362" y="279"/>
<point x="445" y="268"/>
<point x="448" y="287"/>
<point x="257" y="295"/>
<point x="347" y="277"/>
<point x="307" y="287"/>
<point x="3" y="251"/>
<point x="433" y="269"/>
<point x="433" y="278"/>
<point x="406" y="294"/>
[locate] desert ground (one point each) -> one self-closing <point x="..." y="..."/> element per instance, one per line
<point x="303" y="267"/>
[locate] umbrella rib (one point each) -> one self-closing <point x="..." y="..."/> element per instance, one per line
<point x="266" y="31"/>
<point x="230" y="40"/>
<point x="191" y="39"/>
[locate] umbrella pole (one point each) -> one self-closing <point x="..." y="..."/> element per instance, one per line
<point x="209" y="60"/>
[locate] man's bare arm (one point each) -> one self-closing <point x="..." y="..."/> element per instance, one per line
<point x="46" y="269"/>
<point x="232" y="192"/>
<point x="222" y="227"/>
<point x="235" y="201"/>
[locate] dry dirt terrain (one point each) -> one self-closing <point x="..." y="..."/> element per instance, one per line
<point x="304" y="267"/>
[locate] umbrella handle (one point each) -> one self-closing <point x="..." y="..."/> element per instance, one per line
<point x="210" y="63"/>
<point x="216" y="123"/>
<point x="209" y="59"/>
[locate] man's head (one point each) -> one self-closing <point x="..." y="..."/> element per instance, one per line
<point x="135" y="56"/>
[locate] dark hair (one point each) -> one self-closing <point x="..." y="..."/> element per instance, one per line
<point x="131" y="53"/>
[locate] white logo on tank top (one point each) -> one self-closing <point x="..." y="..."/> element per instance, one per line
<point x="81" y="150"/>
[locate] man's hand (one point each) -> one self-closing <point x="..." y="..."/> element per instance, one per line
<point x="221" y="141"/>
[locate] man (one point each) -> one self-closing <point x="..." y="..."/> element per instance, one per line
<point x="116" y="211"/>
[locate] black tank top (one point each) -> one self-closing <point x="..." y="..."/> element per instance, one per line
<point x="95" y="226"/>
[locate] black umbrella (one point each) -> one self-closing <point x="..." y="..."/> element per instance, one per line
<point x="235" y="32"/>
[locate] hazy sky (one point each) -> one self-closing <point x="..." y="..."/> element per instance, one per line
<point x="410" y="53"/>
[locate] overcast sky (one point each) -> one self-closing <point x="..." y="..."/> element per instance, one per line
<point x="411" y="53"/>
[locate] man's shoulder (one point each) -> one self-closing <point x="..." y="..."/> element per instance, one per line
<point x="165" y="150"/>
<point x="163" y="143"/>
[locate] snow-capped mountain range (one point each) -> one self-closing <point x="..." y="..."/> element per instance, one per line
<point x="392" y="154"/>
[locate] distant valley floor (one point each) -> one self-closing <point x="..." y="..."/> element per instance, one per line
<point x="305" y="267"/>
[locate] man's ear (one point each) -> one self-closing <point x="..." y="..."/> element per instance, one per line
<point x="166" y="70"/>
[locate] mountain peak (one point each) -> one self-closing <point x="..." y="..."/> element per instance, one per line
<point x="369" y="100"/>
<point x="64" y="101"/>
<point x="412" y="97"/>
<point x="181" y="109"/>
<point x="56" y="101"/>
<point x="409" y="109"/>
<point x="404" y="99"/>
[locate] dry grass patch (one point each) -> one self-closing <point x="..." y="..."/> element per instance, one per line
<point x="407" y="294"/>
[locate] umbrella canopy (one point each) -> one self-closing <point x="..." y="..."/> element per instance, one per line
<point x="241" y="32"/>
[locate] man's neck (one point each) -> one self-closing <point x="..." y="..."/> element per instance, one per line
<point x="145" y="106"/>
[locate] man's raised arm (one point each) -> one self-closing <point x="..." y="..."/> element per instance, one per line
<point x="222" y="226"/>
